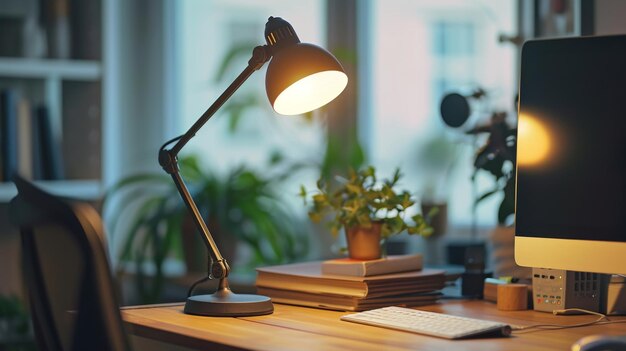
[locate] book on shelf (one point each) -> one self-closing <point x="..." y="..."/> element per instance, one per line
<point x="25" y="139"/>
<point x="36" y="146"/>
<point x="8" y="134"/>
<point x="48" y="152"/>
<point x="364" y="268"/>
<point x="308" y="277"/>
<point x="348" y="303"/>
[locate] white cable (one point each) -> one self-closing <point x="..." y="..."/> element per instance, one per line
<point x="602" y="319"/>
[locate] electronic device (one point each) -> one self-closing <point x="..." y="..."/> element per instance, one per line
<point x="571" y="155"/>
<point x="428" y="323"/>
<point x="473" y="278"/>
<point x="557" y="289"/>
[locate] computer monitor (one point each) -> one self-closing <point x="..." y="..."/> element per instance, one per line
<point x="571" y="155"/>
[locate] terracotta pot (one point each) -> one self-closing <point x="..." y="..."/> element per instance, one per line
<point x="364" y="243"/>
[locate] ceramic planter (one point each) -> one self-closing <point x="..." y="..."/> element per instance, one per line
<point x="364" y="243"/>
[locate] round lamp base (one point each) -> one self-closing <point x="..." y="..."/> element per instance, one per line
<point x="225" y="303"/>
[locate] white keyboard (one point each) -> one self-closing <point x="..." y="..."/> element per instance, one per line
<point x="428" y="323"/>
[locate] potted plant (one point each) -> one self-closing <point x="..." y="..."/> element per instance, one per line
<point x="437" y="160"/>
<point x="242" y="206"/>
<point x="498" y="157"/>
<point x="369" y="211"/>
<point x="15" y="325"/>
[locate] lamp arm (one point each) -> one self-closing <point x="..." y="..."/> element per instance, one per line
<point x="168" y="159"/>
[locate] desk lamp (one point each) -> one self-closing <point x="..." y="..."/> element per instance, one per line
<point x="300" y="78"/>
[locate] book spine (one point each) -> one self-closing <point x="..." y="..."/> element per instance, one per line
<point x="25" y="140"/>
<point x="8" y="131"/>
<point x="49" y="148"/>
<point x="36" y="144"/>
<point x="310" y="286"/>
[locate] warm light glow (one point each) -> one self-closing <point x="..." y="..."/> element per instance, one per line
<point x="533" y="141"/>
<point x="310" y="93"/>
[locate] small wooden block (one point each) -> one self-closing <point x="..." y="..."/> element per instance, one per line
<point x="512" y="297"/>
<point x="490" y="292"/>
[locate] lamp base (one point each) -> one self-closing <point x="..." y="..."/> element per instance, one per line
<point x="225" y="303"/>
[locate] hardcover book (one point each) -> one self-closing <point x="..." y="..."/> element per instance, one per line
<point x="307" y="277"/>
<point x="8" y="134"/>
<point x="348" y="303"/>
<point x="364" y="268"/>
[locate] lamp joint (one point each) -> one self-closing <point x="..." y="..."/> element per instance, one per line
<point x="168" y="161"/>
<point x="260" y="55"/>
<point x="219" y="269"/>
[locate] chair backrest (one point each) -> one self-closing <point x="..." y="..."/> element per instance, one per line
<point x="72" y="297"/>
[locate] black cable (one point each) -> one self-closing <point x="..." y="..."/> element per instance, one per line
<point x="193" y="286"/>
<point x="170" y="141"/>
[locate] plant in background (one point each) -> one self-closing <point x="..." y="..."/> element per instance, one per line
<point x="243" y="206"/>
<point x="498" y="157"/>
<point x="437" y="159"/>
<point x="361" y="200"/>
<point x="15" y="325"/>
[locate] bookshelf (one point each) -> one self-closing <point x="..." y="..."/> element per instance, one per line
<point x="89" y="190"/>
<point x="68" y="84"/>
<point x="50" y="69"/>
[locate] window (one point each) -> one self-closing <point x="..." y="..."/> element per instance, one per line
<point x="215" y="40"/>
<point x="220" y="35"/>
<point x="421" y="51"/>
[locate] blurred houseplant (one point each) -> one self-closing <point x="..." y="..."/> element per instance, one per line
<point x="242" y="206"/>
<point x="15" y="325"/>
<point x="367" y="209"/>
<point x="437" y="159"/>
<point x="498" y="158"/>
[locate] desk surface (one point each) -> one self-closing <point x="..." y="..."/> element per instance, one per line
<point x="300" y="328"/>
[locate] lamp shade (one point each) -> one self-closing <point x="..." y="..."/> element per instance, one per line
<point x="303" y="77"/>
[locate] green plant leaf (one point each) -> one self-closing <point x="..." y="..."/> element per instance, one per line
<point x="138" y="179"/>
<point x="140" y="220"/>
<point x="235" y="108"/>
<point x="360" y="199"/>
<point x="302" y="193"/>
<point x="235" y="52"/>
<point x="486" y="196"/>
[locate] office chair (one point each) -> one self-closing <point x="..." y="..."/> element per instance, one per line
<point x="70" y="288"/>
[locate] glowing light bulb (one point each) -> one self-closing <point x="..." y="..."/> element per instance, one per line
<point x="310" y="93"/>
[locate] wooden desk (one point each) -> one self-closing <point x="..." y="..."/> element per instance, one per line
<point x="300" y="328"/>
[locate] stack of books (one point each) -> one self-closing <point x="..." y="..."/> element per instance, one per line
<point x="347" y="285"/>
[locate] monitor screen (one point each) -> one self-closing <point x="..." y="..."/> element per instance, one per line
<point x="571" y="156"/>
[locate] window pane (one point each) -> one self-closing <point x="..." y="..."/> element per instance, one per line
<point x="423" y="50"/>
<point x="215" y="40"/>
